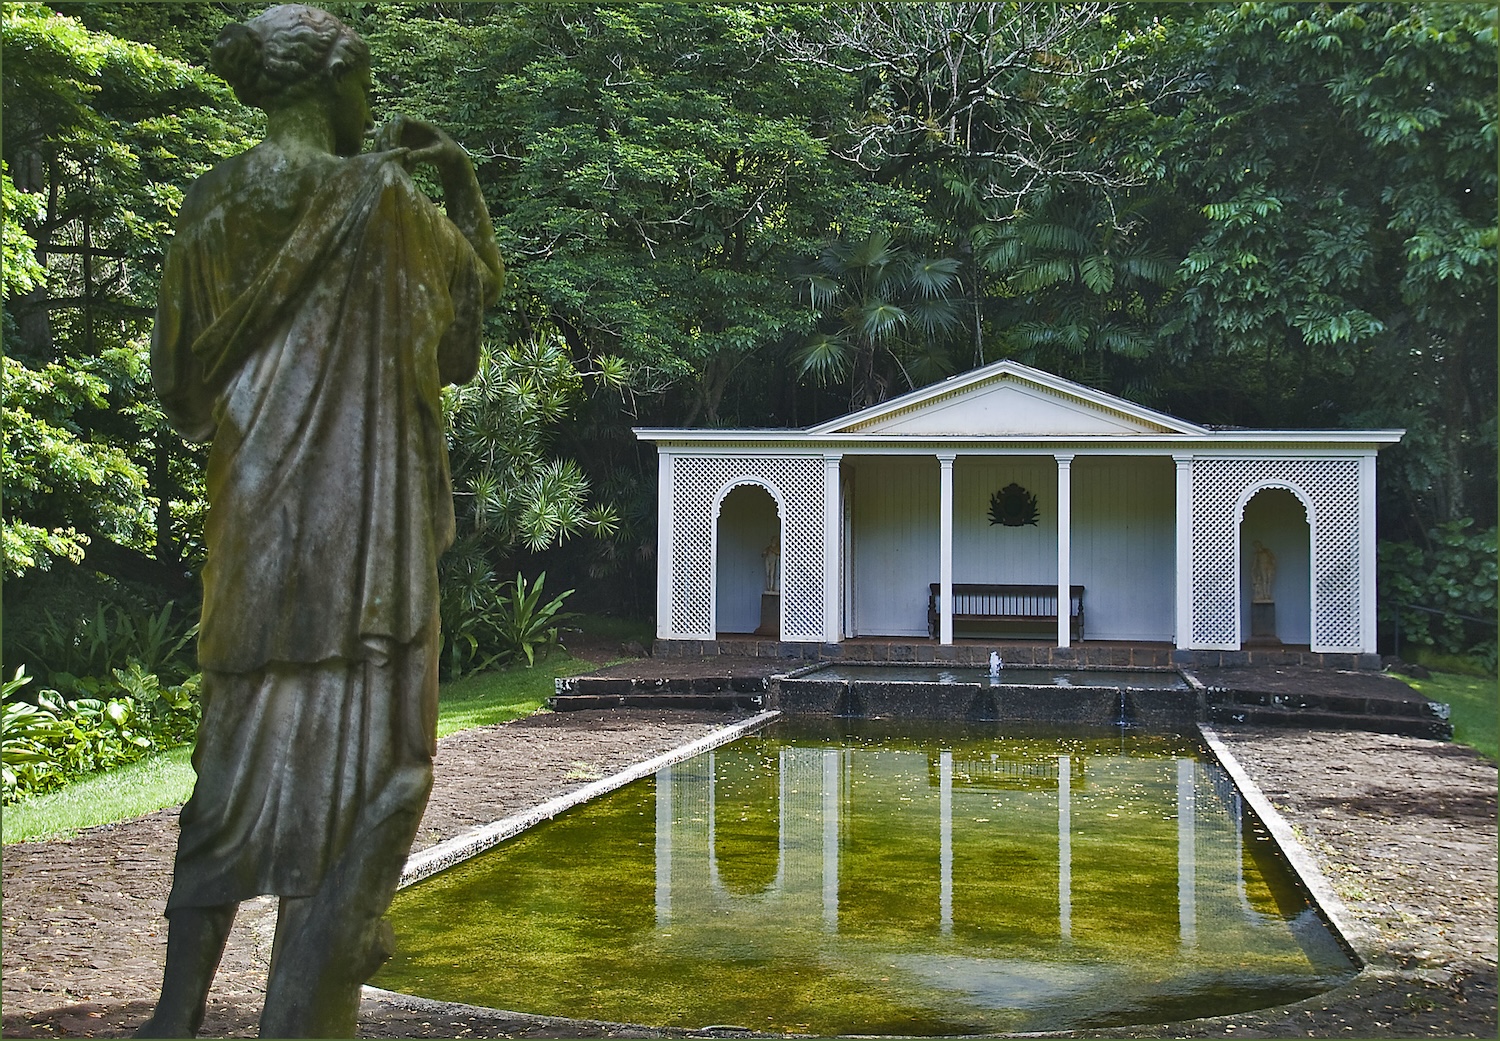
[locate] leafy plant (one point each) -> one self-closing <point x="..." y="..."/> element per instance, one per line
<point x="486" y="626"/>
<point x="25" y="733"/>
<point x="528" y="626"/>
<point x="879" y="300"/>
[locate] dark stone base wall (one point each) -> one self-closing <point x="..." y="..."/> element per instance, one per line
<point x="1163" y="709"/>
<point x="978" y="654"/>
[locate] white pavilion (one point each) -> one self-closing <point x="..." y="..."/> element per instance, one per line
<point x="1008" y="476"/>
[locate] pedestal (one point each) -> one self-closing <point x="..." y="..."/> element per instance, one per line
<point x="770" y="615"/>
<point x="1263" y="622"/>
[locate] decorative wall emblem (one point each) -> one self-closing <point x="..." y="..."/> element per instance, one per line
<point x="1013" y="506"/>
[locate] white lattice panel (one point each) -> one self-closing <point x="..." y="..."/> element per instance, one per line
<point x="1219" y="495"/>
<point x="698" y="487"/>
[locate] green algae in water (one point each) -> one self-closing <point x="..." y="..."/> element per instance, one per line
<point x="846" y="878"/>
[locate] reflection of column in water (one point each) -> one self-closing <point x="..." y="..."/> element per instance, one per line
<point x="1065" y="846"/>
<point x="1221" y="877"/>
<point x="832" y="787"/>
<point x="712" y="816"/>
<point x="1187" y="860"/>
<point x="945" y="827"/>
<point x="663" y="846"/>
<point x="1227" y="798"/>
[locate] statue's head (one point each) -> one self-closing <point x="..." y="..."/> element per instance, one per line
<point x="288" y="53"/>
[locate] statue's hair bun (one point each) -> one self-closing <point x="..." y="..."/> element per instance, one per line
<point x="237" y="58"/>
<point x="281" y="54"/>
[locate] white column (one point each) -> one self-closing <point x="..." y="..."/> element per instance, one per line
<point x="666" y="466"/>
<point x="945" y="548"/>
<point x="1064" y="547"/>
<point x="945" y="841"/>
<point x="833" y="529"/>
<point x="1183" y="622"/>
<point x="1367" y="625"/>
<point x="1187" y="853"/>
<point x="1065" y="846"/>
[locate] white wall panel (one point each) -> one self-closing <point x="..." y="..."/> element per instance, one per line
<point x="895" y="544"/>
<point x="1124" y="548"/>
<point x="985" y="552"/>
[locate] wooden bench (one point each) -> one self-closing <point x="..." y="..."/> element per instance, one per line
<point x="1005" y="605"/>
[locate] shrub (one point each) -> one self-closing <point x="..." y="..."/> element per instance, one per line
<point x="485" y="625"/>
<point x="1443" y="595"/>
<point x="56" y="740"/>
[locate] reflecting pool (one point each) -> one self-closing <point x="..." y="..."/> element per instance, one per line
<point x="843" y="877"/>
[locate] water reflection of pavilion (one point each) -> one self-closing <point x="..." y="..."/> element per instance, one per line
<point x="813" y="833"/>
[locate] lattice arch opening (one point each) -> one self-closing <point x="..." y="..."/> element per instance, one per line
<point x="1329" y="491"/>
<point x="699" y="485"/>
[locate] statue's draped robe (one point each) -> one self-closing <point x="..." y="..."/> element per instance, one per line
<point x="314" y="359"/>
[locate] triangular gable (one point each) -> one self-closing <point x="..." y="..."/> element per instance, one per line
<point x="1007" y="398"/>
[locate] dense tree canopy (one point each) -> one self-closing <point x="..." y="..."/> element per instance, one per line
<point x="762" y="214"/>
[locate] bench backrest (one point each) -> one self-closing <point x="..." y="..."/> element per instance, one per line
<point x="1020" y="601"/>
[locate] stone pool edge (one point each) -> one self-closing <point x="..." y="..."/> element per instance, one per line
<point x="1356" y="939"/>
<point x="466" y="844"/>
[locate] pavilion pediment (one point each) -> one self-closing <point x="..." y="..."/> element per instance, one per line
<point x="1007" y="398"/>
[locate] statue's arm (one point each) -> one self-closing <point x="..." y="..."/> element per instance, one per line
<point x="462" y="198"/>
<point x="467" y="210"/>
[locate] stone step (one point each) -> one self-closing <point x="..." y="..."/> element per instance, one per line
<point x="716" y="701"/>
<point x="1283" y="716"/>
<point x="1415" y="707"/>
<point x="655" y="685"/>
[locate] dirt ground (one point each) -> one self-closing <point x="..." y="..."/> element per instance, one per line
<point x="1404" y="829"/>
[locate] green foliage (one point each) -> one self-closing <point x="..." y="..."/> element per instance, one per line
<point x="57" y="479"/>
<point x="74" y="649"/>
<point x="120" y="684"/>
<point x="879" y="302"/>
<point x="511" y="491"/>
<point x="1454" y="575"/>
<point x="496" y="625"/>
<point x="653" y="174"/>
<point x="102" y="135"/>
<point x="1334" y="171"/>
<point x="18" y="264"/>
<point x="1084" y="287"/>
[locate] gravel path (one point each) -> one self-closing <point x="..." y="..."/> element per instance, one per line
<point x="1403" y="828"/>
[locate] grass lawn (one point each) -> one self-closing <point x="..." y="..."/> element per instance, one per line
<point x="167" y="779"/>
<point x="500" y="696"/>
<point x="131" y="791"/>
<point x="1475" y="701"/>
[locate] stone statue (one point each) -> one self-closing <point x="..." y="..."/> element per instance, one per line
<point x="1262" y="574"/>
<point x="770" y="559"/>
<point x="313" y="304"/>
